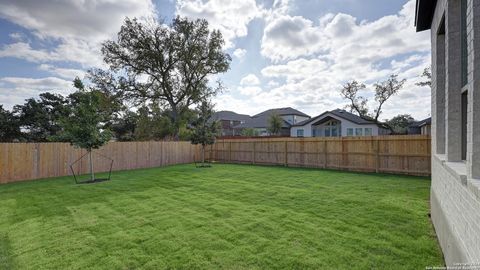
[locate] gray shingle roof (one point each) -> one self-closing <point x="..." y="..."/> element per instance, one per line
<point x="261" y="120"/>
<point x="339" y="113"/>
<point x="229" y="115"/>
<point x="427" y="121"/>
<point x="282" y="111"/>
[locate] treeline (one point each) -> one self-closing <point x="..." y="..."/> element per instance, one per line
<point x="39" y="120"/>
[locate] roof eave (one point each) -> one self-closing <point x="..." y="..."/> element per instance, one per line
<point x="424" y="14"/>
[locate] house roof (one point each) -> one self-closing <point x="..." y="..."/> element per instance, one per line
<point x="261" y="120"/>
<point x="282" y="111"/>
<point x="341" y="114"/>
<point x="229" y="115"/>
<point x="424" y="14"/>
<point x="424" y="122"/>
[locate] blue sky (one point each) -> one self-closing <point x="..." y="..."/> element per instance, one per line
<point x="294" y="53"/>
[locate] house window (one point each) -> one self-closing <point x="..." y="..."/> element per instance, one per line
<point x="368" y="131"/>
<point x="327" y="131"/>
<point x="359" y="132"/>
<point x="464" y="43"/>
<point x="349" y="131"/>
<point x="314" y="132"/>
<point x="464" y="124"/>
<point x="334" y="132"/>
<point x="299" y="132"/>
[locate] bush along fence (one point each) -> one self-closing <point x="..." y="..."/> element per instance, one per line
<point x="404" y="154"/>
<point x="25" y="161"/>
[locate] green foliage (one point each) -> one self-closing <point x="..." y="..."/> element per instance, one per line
<point x="9" y="126"/>
<point x="176" y="60"/>
<point x="204" y="130"/>
<point x="39" y="118"/>
<point x="84" y="125"/>
<point x="399" y="124"/>
<point x="249" y="132"/>
<point x="230" y="216"/>
<point x="274" y="124"/>
<point x="427" y="75"/>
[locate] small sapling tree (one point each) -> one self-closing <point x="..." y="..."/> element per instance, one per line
<point x="204" y="129"/>
<point x="275" y="124"/>
<point x="84" y="125"/>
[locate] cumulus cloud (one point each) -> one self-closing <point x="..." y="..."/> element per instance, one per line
<point x="240" y="53"/>
<point x="14" y="90"/>
<point x="249" y="80"/>
<point x="312" y="60"/>
<point x="78" y="27"/>
<point x="231" y="17"/>
<point x="63" y="31"/>
<point x="66" y="73"/>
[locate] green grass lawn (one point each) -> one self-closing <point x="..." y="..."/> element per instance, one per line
<point x="227" y="216"/>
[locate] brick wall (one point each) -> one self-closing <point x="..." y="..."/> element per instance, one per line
<point x="455" y="192"/>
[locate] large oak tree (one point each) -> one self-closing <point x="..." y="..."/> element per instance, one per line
<point x="174" y="62"/>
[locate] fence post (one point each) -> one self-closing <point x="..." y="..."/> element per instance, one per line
<point x="325" y="155"/>
<point x="253" y="158"/>
<point x="286" y="153"/>
<point x="230" y="152"/>
<point x="377" y="156"/>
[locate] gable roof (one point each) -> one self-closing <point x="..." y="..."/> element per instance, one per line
<point x="341" y="114"/>
<point x="424" y="14"/>
<point x="261" y="120"/>
<point x="282" y="111"/>
<point x="229" y="115"/>
<point x="424" y="122"/>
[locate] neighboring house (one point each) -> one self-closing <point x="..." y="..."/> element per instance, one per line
<point x="228" y="120"/>
<point x="420" y="127"/>
<point x="455" y="187"/>
<point x="336" y="123"/>
<point x="260" y="122"/>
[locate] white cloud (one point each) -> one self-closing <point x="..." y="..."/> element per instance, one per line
<point x="341" y="37"/>
<point x="77" y="26"/>
<point x="313" y="60"/>
<point x="250" y="90"/>
<point x="66" y="73"/>
<point x="249" y="80"/>
<point x="14" y="90"/>
<point x="240" y="53"/>
<point x="231" y="17"/>
<point x="24" y="51"/>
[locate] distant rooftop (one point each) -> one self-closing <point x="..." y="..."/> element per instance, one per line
<point x="342" y="114"/>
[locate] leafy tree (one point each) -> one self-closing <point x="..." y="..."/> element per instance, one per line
<point x="427" y="74"/>
<point x="174" y="62"/>
<point x="383" y="92"/>
<point x="399" y="124"/>
<point x="39" y="118"/>
<point x="84" y="124"/>
<point x="204" y="130"/>
<point x="249" y="132"/>
<point x="274" y="124"/>
<point x="9" y="126"/>
<point x="123" y="126"/>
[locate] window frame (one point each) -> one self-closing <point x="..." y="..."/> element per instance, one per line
<point x="302" y="131"/>
<point x="371" y="132"/>
<point x="357" y="133"/>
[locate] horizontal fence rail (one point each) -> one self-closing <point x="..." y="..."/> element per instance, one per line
<point x="404" y="154"/>
<point x="25" y="161"/>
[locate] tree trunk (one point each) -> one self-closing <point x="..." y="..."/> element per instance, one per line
<point x="92" y="173"/>
<point x="203" y="155"/>
<point x="175" y="122"/>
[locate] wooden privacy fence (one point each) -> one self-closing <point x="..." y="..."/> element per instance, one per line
<point x="23" y="161"/>
<point x="404" y="154"/>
